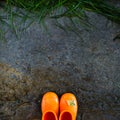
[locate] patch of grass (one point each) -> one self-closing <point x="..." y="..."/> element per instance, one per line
<point x="40" y="9"/>
<point x="73" y="8"/>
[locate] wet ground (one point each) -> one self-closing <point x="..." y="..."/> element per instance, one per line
<point x="86" y="64"/>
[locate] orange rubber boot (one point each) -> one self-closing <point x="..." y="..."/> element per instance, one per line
<point x="50" y="106"/>
<point x="68" y="107"/>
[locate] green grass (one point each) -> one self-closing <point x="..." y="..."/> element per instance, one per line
<point x="38" y="10"/>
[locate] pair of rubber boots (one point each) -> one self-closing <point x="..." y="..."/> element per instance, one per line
<point x="50" y="106"/>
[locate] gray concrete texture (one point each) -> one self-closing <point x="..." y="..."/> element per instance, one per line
<point x="86" y="64"/>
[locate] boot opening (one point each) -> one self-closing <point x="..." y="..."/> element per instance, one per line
<point x="66" y="116"/>
<point x="49" y="116"/>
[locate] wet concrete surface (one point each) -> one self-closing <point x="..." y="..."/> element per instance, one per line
<point x="87" y="65"/>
